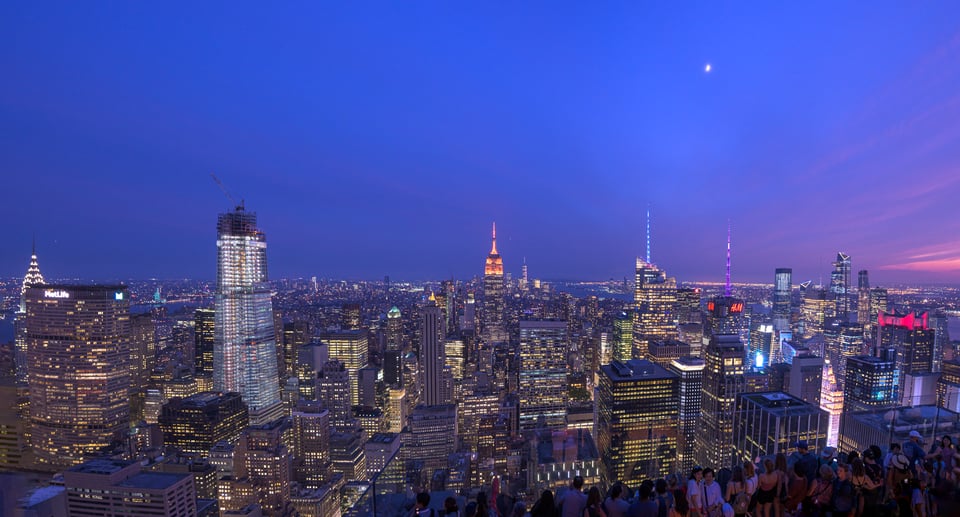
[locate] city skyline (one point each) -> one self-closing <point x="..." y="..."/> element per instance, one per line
<point x="359" y="141"/>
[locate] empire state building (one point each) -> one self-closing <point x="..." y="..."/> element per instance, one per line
<point x="494" y="330"/>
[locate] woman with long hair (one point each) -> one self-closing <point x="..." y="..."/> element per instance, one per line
<point x="593" y="504"/>
<point x="737" y="492"/>
<point x="483" y="506"/>
<point x="863" y="487"/>
<point x="820" y="492"/>
<point x="545" y="506"/>
<point x="780" y="465"/>
<point x="767" y="489"/>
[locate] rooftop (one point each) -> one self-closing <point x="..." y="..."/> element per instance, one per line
<point x="635" y="369"/>
<point x="153" y="480"/>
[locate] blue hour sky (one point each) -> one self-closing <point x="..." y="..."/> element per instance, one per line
<point x="384" y="138"/>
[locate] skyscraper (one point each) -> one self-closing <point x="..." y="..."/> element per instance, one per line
<point x="196" y="423"/>
<point x="543" y="374"/>
<point x="245" y="351"/>
<point x="433" y="356"/>
<point x="770" y="423"/>
<point x="655" y="297"/>
<point x="690" y="372"/>
<point x="350" y="348"/>
<point x="494" y="329"/>
<point x="782" y="292"/>
<point x="723" y="381"/>
<point x="78" y="364"/>
<point x="205" y="336"/>
<point x="840" y="285"/>
<point x="623" y="337"/>
<point x="911" y="337"/>
<point x="870" y="383"/>
<point x="33" y="277"/>
<point x="637" y="412"/>
<point x="864" y="309"/>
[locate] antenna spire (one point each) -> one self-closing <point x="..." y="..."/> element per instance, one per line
<point x="493" y="250"/>
<point x="728" y="291"/>
<point x="648" y="233"/>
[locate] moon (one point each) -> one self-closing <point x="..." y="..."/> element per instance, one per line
<point x="707" y="68"/>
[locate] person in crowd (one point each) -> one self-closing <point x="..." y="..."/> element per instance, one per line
<point x="615" y="504"/>
<point x="767" y="489"/>
<point x="864" y="489"/>
<point x="644" y="506"/>
<point x="737" y="492"/>
<point x="593" y="507"/>
<point x="796" y="490"/>
<point x="450" y="508"/>
<point x="545" y="506"/>
<point x="891" y="452"/>
<point x="695" y="492"/>
<point x="821" y="491"/>
<point x="664" y="499"/>
<point x="947" y="453"/>
<point x="780" y="465"/>
<point x="750" y="477"/>
<point x="573" y="501"/>
<point x="807" y="461"/>
<point x="712" y="503"/>
<point x="422" y="507"/>
<point x="483" y="506"/>
<point x="914" y="451"/>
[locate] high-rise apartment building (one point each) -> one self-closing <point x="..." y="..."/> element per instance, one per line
<point x="637" y="413"/>
<point x="245" y="350"/>
<point x="782" y="293"/>
<point x="543" y="374"/>
<point x="262" y="469"/>
<point x="311" y="444"/>
<point x="494" y="327"/>
<point x="334" y="391"/>
<point x="840" y="286"/>
<point x="723" y="382"/>
<point x="689" y="370"/>
<point x="78" y="365"/>
<point x="655" y="298"/>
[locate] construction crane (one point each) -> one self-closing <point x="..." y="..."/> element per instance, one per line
<point x="226" y="192"/>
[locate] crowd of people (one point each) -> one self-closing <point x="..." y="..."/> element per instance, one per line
<point x="906" y="481"/>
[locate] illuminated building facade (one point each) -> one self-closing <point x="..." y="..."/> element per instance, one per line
<point x="78" y="365"/>
<point x="665" y="352"/>
<point x="912" y="338"/>
<point x="770" y="423"/>
<point x="723" y="382"/>
<point x="543" y="374"/>
<point x="351" y="349"/>
<point x="688" y="305"/>
<point x="335" y="390"/>
<point x="623" y="337"/>
<point x="311" y="444"/>
<point x="948" y="386"/>
<point x="864" y="308"/>
<point x="433" y="436"/>
<point x="205" y="337"/>
<point x="32" y="278"/>
<point x="817" y="307"/>
<point x="433" y="356"/>
<point x="262" y="468"/>
<point x="840" y="286"/>
<point x="655" y="297"/>
<point x="782" y="293"/>
<point x="113" y="488"/>
<point x="689" y="370"/>
<point x="245" y="350"/>
<point x="870" y="383"/>
<point x="724" y="316"/>
<point x="295" y="335"/>
<point x="196" y="423"/>
<point x="831" y="401"/>
<point x="494" y="328"/>
<point x="637" y="413"/>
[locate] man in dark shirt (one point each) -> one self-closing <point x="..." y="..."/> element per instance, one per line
<point x="807" y="461"/>
<point x="644" y="506"/>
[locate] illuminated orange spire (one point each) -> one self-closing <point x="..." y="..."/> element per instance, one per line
<point x="493" y="250"/>
<point x="494" y="264"/>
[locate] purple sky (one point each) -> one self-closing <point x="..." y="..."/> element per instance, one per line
<point x="383" y="139"/>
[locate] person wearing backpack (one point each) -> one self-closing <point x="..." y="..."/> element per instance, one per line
<point x="864" y="488"/>
<point x="842" y="502"/>
<point x="737" y="494"/>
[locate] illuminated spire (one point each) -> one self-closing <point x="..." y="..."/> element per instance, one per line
<point x="494" y="264"/>
<point x="33" y="275"/>
<point x="493" y="250"/>
<point x="728" y="290"/>
<point x="648" y="234"/>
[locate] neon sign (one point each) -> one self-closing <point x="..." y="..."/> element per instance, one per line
<point x="118" y="295"/>
<point x="736" y="307"/>
<point x="58" y="293"/>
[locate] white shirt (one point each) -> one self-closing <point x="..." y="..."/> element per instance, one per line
<point x="694" y="493"/>
<point x="713" y="495"/>
<point x="752" y="484"/>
